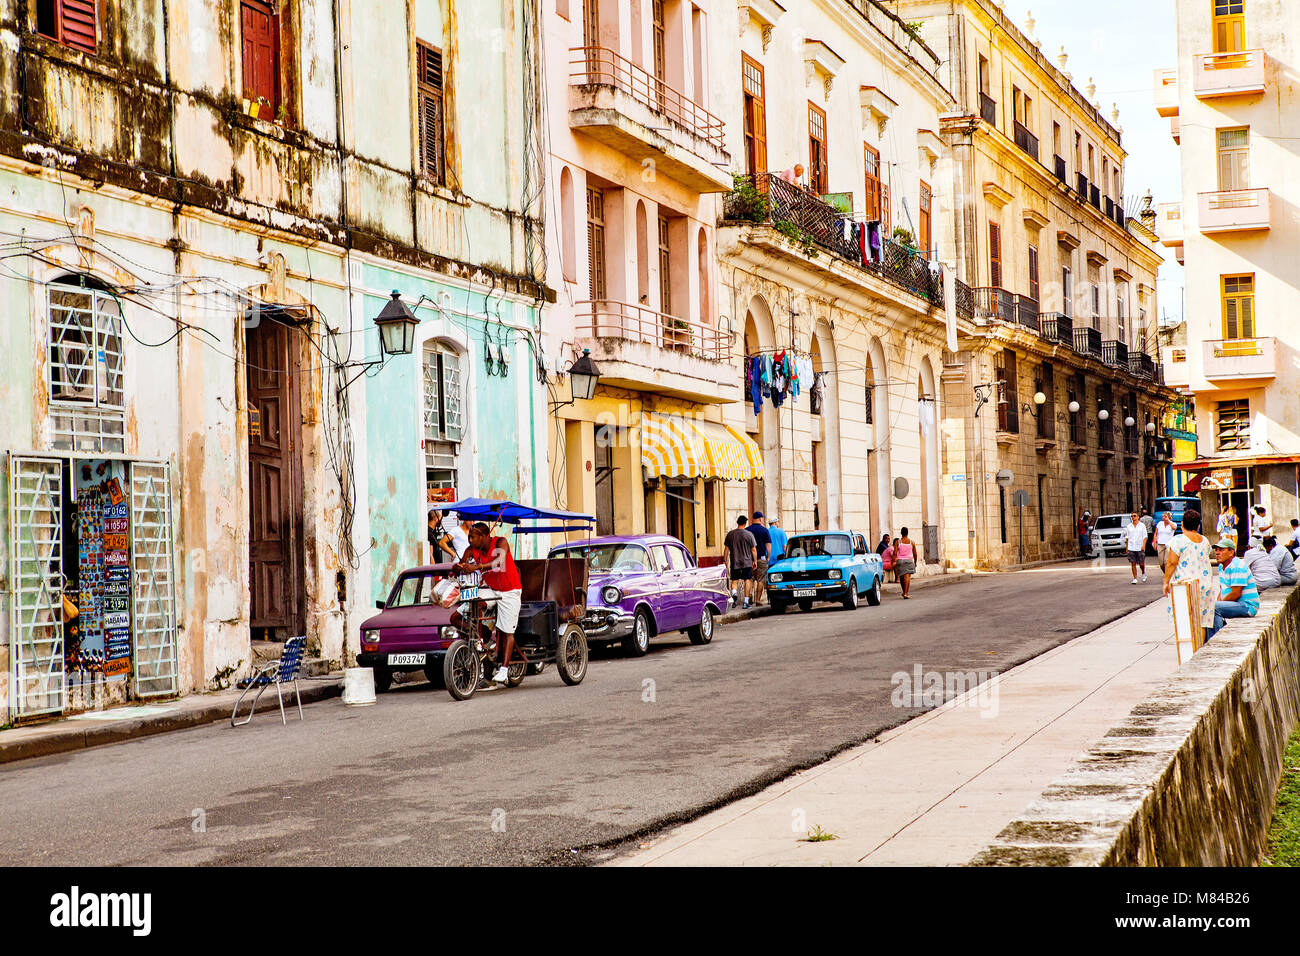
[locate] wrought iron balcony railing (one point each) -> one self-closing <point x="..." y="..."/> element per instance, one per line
<point x="988" y="109"/>
<point x="1115" y="354"/>
<point x="1141" y="365"/>
<point x="992" y="304"/>
<point x="1087" y="341"/>
<point x="1025" y="139"/>
<point x="1056" y="327"/>
<point x="1027" y="313"/>
<point x="624" y="321"/>
<point x="1059" y="162"/>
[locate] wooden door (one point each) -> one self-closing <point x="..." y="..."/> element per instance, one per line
<point x="259" y="29"/>
<point x="274" y="540"/>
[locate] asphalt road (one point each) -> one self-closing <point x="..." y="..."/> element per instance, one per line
<point x="542" y="773"/>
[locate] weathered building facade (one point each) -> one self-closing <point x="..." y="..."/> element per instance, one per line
<point x="1055" y="384"/>
<point x="1231" y="102"/>
<point x="830" y="247"/>
<point x="205" y="210"/>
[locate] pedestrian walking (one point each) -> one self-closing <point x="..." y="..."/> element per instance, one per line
<point x="742" y="555"/>
<point x="1135" y="542"/>
<point x="779" y="537"/>
<point x="1165" y="532"/>
<point x="1238" y="593"/>
<point x="1282" y="560"/>
<point x="1085" y="533"/>
<point x="905" y="562"/>
<point x="762" y="556"/>
<point x="1227" y="524"/>
<point x="1189" y="563"/>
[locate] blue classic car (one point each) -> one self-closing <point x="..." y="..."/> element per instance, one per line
<point x="642" y="585"/>
<point x="825" y="566"/>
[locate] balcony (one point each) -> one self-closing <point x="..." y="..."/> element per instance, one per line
<point x="1235" y="210"/>
<point x="1027" y="313"/>
<point x="641" y="349"/>
<point x="1169" y="223"/>
<point x="616" y="102"/>
<point x="1025" y="139"/>
<point x="1166" y="92"/>
<point x="988" y="109"/>
<point x="805" y="218"/>
<point x="1094" y="197"/>
<point x="1059" y="168"/>
<point x="1087" y="341"/>
<point x="1081" y="186"/>
<point x="1142" y="365"/>
<point x="1240" y="360"/>
<point x="1173" y="366"/>
<point x="993" y="304"/>
<point x="965" y="297"/>
<point x="1115" y="354"/>
<point x="1056" y="327"/>
<point x="1228" y="74"/>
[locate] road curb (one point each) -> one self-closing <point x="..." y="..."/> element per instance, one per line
<point x="60" y="738"/>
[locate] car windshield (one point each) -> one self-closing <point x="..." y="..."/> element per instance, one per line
<point x="1175" y="505"/>
<point x="415" y="590"/>
<point x="1109" y="522"/>
<point x="811" y="545"/>
<point x="609" y="557"/>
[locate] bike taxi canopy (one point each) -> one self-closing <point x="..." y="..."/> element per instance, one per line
<point x="513" y="513"/>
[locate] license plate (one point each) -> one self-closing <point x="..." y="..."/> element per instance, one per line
<point x="469" y="594"/>
<point x="805" y="592"/>
<point x="396" y="660"/>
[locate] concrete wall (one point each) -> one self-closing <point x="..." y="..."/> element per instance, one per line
<point x="1189" y="779"/>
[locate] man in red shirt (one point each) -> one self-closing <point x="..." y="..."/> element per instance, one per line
<point x="491" y="555"/>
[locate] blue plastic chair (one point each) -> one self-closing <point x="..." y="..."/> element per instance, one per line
<point x="277" y="674"/>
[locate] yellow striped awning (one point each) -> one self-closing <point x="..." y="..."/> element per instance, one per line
<point x="670" y="448"/>
<point x="675" y="446"/>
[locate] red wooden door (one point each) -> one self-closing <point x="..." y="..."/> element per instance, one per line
<point x="259" y="29"/>
<point x="273" y="528"/>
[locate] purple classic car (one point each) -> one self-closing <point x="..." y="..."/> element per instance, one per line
<point x="642" y="585"/>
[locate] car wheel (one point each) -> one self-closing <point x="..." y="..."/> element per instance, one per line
<point x="805" y="604"/>
<point x="434" y="674"/>
<point x="873" y="596"/>
<point x="850" y="601"/>
<point x="383" y="679"/>
<point x="702" y="633"/>
<point x="515" y="675"/>
<point x="460" y="670"/>
<point x="571" y="655"/>
<point x="778" y="607"/>
<point x="638" y="642"/>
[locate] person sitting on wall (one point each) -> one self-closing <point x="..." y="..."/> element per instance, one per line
<point x="1282" y="560"/>
<point x="1238" y="593"/>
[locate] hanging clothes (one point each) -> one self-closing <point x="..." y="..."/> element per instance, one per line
<point x="860" y="240"/>
<point x="756" y="384"/>
<point x="817" y="393"/>
<point x="875" y="242"/>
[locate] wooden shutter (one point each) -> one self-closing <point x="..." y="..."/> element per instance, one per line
<point x="75" y="24"/>
<point x="1033" y="273"/>
<point x="259" y="31"/>
<point x="754" y="85"/>
<point x="590" y="23"/>
<point x="429" y="96"/>
<point x="1238" y="307"/>
<point x="995" y="255"/>
<point x="818" y="167"/>
<point x="924" y="220"/>
<point x="665" y="269"/>
<point x="596" y="244"/>
<point x="871" y="175"/>
<point x="1229" y="26"/>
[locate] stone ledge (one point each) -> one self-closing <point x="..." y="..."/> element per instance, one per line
<point x="1189" y="777"/>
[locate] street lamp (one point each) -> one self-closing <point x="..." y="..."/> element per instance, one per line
<point x="1073" y="407"/>
<point x="1130" y="421"/>
<point x="1103" y="415"/>
<point x="583" y="377"/>
<point x="396" y="327"/>
<point x="1151" y="428"/>
<point x="1039" y="400"/>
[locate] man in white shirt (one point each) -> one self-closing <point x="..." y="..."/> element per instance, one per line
<point x="1165" y="532"/>
<point x="456" y="541"/>
<point x="1282" y="560"/>
<point x="1135" y="542"/>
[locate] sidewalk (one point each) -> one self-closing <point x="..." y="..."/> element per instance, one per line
<point x="938" y="789"/>
<point x="116" y="724"/>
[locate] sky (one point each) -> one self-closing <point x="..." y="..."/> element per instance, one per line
<point x="1120" y="43"/>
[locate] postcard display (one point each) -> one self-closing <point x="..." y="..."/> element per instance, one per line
<point x="97" y="643"/>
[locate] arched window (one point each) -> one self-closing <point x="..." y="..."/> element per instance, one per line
<point x="87" y="403"/>
<point x="568" y="251"/>
<point x="703" y="245"/>
<point x="444" y="414"/>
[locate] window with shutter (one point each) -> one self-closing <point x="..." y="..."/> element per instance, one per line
<point x="70" y="22"/>
<point x="1067" y="292"/>
<point x="1234" y="158"/>
<point x="1232" y="420"/>
<point x="755" y="116"/>
<point x="429" y="96"/>
<point x="1229" y="26"/>
<point x="596" y="244"/>
<point x="260" y="34"/>
<point x="1033" y="273"/>
<point x="665" y="269"/>
<point x="995" y="255"/>
<point x="1008" y="392"/>
<point x="818" y="171"/>
<point x="871" y="172"/>
<point x="923" y="223"/>
<point x="1239" y="307"/>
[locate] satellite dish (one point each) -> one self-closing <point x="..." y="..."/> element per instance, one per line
<point x="900" y="488"/>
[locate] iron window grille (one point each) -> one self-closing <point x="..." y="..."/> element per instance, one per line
<point x="87" y="404"/>
<point x="443" y="406"/>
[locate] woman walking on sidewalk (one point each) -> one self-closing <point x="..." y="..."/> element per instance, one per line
<point x="1189" y="562"/>
<point x="905" y="562"/>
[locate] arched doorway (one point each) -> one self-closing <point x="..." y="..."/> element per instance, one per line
<point x="928" y="422"/>
<point x="879" y="469"/>
<point x="825" y="450"/>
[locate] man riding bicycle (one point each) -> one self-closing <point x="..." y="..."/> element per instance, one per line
<point x="491" y="555"/>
